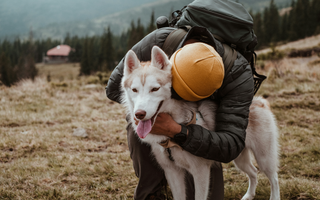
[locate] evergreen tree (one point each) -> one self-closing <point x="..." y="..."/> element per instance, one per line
<point x="110" y="51"/>
<point x="258" y="28"/>
<point x="67" y="39"/>
<point x="298" y="23"/>
<point x="132" y="35"/>
<point x="283" y="34"/>
<point x="17" y="50"/>
<point x="106" y="54"/>
<point x="26" y="68"/>
<point x="121" y="46"/>
<point x="85" y="61"/>
<point x="152" y="23"/>
<point x="136" y="33"/>
<point x="271" y="23"/>
<point x="7" y="75"/>
<point x="76" y="49"/>
<point x="94" y="54"/>
<point x="266" y="23"/>
<point x="315" y="17"/>
<point x="274" y="14"/>
<point x="103" y="51"/>
<point x="140" y="31"/>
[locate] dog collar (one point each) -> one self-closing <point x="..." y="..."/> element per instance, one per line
<point x="194" y="118"/>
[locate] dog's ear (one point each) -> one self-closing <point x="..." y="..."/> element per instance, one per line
<point x="160" y="59"/>
<point x="131" y="62"/>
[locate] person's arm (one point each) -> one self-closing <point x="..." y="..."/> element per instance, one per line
<point x="228" y="140"/>
<point x="143" y="52"/>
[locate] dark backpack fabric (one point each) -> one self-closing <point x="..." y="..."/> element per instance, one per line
<point x="227" y="20"/>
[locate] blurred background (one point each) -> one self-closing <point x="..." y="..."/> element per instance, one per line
<point x="97" y="34"/>
<point x="62" y="138"/>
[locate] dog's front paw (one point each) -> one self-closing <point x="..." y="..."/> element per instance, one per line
<point x="247" y="197"/>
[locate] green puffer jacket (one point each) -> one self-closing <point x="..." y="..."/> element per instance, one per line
<point x="234" y="99"/>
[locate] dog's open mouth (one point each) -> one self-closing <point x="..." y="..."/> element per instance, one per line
<point x="145" y="126"/>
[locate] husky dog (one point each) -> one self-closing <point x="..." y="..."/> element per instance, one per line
<point x="146" y="93"/>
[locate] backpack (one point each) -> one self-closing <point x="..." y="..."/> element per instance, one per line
<point x="229" y="22"/>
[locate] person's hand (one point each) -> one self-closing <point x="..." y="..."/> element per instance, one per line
<point x="165" y="125"/>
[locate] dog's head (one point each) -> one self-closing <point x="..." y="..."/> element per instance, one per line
<point x="146" y="86"/>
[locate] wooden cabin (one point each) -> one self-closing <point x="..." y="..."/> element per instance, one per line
<point x="58" y="54"/>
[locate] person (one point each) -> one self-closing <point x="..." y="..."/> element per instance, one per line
<point x="233" y="98"/>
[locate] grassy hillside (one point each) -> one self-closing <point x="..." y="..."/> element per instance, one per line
<point x="305" y="43"/>
<point x="41" y="159"/>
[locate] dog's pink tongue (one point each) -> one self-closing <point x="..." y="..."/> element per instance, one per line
<point x="144" y="127"/>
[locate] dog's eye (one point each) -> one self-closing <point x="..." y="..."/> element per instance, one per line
<point x="155" y="89"/>
<point x="134" y="90"/>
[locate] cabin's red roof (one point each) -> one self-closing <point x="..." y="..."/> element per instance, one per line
<point x="60" y="50"/>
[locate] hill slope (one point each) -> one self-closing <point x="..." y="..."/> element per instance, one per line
<point x="305" y="43"/>
<point x="55" y="18"/>
<point x="18" y="17"/>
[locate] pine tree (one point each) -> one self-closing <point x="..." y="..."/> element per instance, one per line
<point x="26" y="68"/>
<point x="106" y="51"/>
<point x="298" y="23"/>
<point x="76" y="51"/>
<point x="140" y="31"/>
<point x="152" y="23"/>
<point x="103" y="52"/>
<point x="258" y="28"/>
<point x="110" y="51"/>
<point x="85" y="61"/>
<point x="271" y="23"/>
<point x="17" y="51"/>
<point x="67" y="39"/>
<point x="7" y="75"/>
<point x="283" y="34"/>
<point x="94" y="55"/>
<point x="266" y="22"/>
<point x="315" y="17"/>
<point x="132" y="35"/>
<point x="121" y="46"/>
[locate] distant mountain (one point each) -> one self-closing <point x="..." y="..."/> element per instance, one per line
<point x="19" y="16"/>
<point x="118" y="22"/>
<point x="82" y="17"/>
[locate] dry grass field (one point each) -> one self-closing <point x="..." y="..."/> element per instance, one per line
<point x="41" y="159"/>
<point x="305" y="43"/>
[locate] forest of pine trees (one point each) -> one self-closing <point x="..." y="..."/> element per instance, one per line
<point x="302" y="20"/>
<point x="101" y="53"/>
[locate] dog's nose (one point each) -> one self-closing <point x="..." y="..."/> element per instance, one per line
<point x="140" y="114"/>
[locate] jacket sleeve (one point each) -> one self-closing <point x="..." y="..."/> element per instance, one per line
<point x="143" y="51"/>
<point x="228" y="140"/>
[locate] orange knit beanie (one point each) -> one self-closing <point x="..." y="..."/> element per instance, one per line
<point x="197" y="71"/>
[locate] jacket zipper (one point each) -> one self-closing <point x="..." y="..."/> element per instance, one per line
<point x="221" y="15"/>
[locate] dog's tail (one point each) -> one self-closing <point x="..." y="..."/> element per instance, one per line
<point x="261" y="102"/>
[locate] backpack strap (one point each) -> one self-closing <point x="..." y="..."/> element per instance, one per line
<point x="229" y="56"/>
<point x="175" y="37"/>
<point x="258" y="78"/>
<point x="173" y="40"/>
